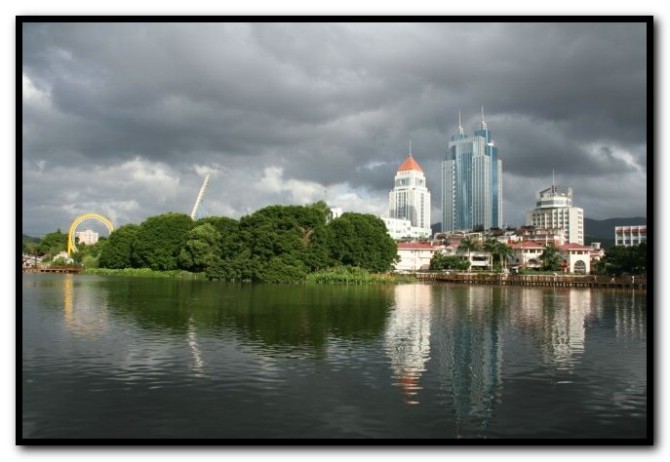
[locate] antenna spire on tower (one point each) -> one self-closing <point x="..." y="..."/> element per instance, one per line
<point x="460" y="126"/>
<point x="483" y="119"/>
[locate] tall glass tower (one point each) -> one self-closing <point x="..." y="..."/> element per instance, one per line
<point x="471" y="181"/>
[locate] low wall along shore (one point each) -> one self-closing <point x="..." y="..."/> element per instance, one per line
<point x="560" y="280"/>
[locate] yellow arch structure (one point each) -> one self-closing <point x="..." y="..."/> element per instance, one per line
<point x="71" y="247"/>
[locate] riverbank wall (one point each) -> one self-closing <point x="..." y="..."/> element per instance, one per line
<point x="606" y="282"/>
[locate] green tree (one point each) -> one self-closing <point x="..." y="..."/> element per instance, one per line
<point x="53" y="243"/>
<point x="117" y="253"/>
<point x="201" y="249"/>
<point x="160" y="240"/>
<point x="505" y="252"/>
<point x="277" y="244"/>
<point x="469" y="245"/>
<point x="362" y="240"/>
<point x="550" y="257"/>
<point x="229" y="234"/>
<point x="448" y="262"/>
<point x="620" y="259"/>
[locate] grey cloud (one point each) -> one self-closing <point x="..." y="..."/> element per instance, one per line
<point x="336" y="103"/>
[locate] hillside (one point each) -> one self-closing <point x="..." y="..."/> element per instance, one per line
<point x="27" y="238"/>
<point x="596" y="230"/>
<point x="605" y="228"/>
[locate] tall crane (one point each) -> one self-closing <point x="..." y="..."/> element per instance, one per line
<point x="198" y="201"/>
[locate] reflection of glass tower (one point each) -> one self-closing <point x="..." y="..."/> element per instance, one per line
<point x="407" y="338"/>
<point x="468" y="349"/>
<point x="472" y="181"/>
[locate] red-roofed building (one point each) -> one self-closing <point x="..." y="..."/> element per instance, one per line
<point x="527" y="254"/>
<point x="410" y="199"/>
<point x="577" y="257"/>
<point x="415" y="256"/>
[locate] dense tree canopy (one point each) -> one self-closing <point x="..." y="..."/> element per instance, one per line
<point x="118" y="253"/>
<point x="160" y="240"/>
<point x="619" y="260"/>
<point x="551" y="259"/>
<point x="275" y="244"/>
<point x="441" y="261"/>
<point x="53" y="243"/>
<point x="201" y="249"/>
<point x="362" y="240"/>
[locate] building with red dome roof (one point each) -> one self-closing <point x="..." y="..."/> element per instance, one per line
<point x="410" y="199"/>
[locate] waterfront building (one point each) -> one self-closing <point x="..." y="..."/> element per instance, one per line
<point x="87" y="237"/>
<point x="554" y="210"/>
<point x="399" y="228"/>
<point x="415" y="256"/>
<point x="629" y="236"/>
<point x="526" y="254"/>
<point x="576" y="257"/>
<point x="472" y="181"/>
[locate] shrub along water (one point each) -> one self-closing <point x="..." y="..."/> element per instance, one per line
<point x="144" y="272"/>
<point x="354" y="275"/>
<point x="279" y="244"/>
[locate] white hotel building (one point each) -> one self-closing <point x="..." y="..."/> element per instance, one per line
<point x="555" y="211"/>
<point x="629" y="236"/>
<point x="409" y="202"/>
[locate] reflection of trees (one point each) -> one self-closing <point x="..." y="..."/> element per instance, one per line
<point x="468" y="349"/>
<point x="407" y="338"/>
<point x="276" y="318"/>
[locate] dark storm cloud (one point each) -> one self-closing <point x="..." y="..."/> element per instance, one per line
<point x="329" y="105"/>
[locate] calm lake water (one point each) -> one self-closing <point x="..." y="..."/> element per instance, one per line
<point x="156" y="358"/>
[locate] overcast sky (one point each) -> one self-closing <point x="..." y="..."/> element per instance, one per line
<point x="126" y="119"/>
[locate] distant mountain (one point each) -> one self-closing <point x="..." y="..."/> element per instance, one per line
<point x="604" y="229"/>
<point x="596" y="230"/>
<point x="27" y="238"/>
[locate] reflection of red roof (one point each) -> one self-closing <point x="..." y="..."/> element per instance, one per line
<point x="410" y="164"/>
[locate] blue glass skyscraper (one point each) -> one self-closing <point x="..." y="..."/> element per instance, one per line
<point x="471" y="181"/>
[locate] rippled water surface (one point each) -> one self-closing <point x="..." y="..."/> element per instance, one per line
<point x="154" y="358"/>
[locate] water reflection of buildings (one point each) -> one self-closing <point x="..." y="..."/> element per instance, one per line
<point x="630" y="322"/>
<point x="564" y="326"/>
<point x="194" y="347"/>
<point x="558" y="316"/>
<point x="84" y="308"/>
<point x="468" y="349"/>
<point x="407" y="337"/>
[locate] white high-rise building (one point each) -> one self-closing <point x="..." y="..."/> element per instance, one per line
<point x="410" y="198"/>
<point x="555" y="211"/>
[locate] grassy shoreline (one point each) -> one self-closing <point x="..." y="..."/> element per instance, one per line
<point x="341" y="275"/>
<point x="144" y="273"/>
